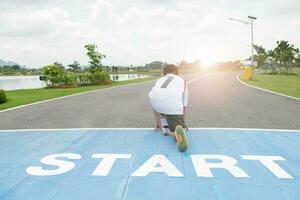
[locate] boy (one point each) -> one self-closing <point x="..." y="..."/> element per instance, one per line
<point x="169" y="98"/>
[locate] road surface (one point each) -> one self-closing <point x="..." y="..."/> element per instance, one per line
<point x="216" y="100"/>
<point x="148" y="165"/>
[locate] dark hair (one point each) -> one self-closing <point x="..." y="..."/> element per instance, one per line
<point x="171" y="69"/>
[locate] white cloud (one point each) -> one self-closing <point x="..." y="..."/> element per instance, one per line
<point x="33" y="24"/>
<point x="187" y="30"/>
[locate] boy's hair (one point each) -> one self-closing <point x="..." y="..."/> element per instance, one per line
<point x="171" y="69"/>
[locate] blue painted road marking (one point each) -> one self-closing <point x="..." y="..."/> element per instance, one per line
<point x="141" y="164"/>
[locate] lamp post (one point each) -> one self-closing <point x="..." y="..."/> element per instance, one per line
<point x="252" y="45"/>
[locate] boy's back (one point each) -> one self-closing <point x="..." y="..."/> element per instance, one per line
<point x="169" y="95"/>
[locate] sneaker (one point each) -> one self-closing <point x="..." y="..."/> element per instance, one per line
<point x="181" y="138"/>
<point x="165" y="131"/>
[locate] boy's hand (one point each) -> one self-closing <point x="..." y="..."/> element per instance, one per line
<point x="158" y="128"/>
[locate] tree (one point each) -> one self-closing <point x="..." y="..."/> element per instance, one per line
<point x="52" y="73"/>
<point x="52" y="70"/>
<point x="297" y="60"/>
<point x="58" y="64"/>
<point x="155" y="65"/>
<point x="197" y="63"/>
<point x="15" y="67"/>
<point x="285" y="55"/>
<point x="75" y="66"/>
<point x="95" y="58"/>
<point x="230" y="65"/>
<point x="271" y="61"/>
<point x="184" y="65"/>
<point x="261" y="56"/>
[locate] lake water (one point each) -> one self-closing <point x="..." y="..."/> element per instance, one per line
<point x="31" y="82"/>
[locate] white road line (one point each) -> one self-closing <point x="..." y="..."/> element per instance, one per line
<point x="100" y="129"/>
<point x="193" y="80"/>
<point x="54" y="99"/>
<point x="265" y="90"/>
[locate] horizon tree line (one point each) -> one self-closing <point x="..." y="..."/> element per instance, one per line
<point x="282" y="59"/>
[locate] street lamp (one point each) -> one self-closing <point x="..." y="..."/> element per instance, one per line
<point x="252" y="45"/>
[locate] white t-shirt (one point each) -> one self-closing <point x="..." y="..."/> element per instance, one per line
<point x="169" y="95"/>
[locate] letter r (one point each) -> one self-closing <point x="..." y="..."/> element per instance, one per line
<point x="203" y="168"/>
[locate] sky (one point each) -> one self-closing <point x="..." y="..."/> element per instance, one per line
<point x="135" y="32"/>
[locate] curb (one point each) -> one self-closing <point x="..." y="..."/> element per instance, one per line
<point x="265" y="90"/>
<point x="128" y="129"/>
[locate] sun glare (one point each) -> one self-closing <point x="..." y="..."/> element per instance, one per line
<point x="208" y="60"/>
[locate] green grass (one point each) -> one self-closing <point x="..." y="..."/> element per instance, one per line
<point x="284" y="84"/>
<point x="22" y="97"/>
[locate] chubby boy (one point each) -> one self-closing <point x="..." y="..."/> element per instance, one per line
<point x="169" y="99"/>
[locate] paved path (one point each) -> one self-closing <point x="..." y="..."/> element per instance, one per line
<point x="138" y="164"/>
<point x="216" y="100"/>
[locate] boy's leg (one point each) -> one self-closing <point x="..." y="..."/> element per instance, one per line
<point x="161" y="123"/>
<point x="176" y="126"/>
<point x="174" y="120"/>
<point x="163" y="120"/>
<point x="165" y="126"/>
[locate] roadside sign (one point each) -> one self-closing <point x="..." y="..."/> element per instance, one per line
<point x="248" y="63"/>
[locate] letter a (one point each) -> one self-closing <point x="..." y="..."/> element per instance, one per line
<point x="150" y="166"/>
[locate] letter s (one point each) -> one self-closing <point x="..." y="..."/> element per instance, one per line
<point x="63" y="166"/>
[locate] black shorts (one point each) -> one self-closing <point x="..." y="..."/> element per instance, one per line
<point x="173" y="121"/>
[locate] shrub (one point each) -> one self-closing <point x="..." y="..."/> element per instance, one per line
<point x="3" y="97"/>
<point x="98" y="77"/>
<point x="52" y="70"/>
<point x="83" y="79"/>
<point x="63" y="80"/>
<point x="67" y="80"/>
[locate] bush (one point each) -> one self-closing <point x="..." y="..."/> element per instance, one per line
<point x="98" y="77"/>
<point x="3" y="97"/>
<point x="63" y="80"/>
<point x="67" y="80"/>
<point x="52" y="70"/>
<point x="83" y="79"/>
<point x="103" y="76"/>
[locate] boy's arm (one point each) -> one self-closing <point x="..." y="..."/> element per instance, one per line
<point x="184" y="116"/>
<point x="185" y="119"/>
<point x="185" y="104"/>
<point x="157" y="117"/>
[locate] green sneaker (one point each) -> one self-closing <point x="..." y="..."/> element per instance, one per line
<point x="181" y="138"/>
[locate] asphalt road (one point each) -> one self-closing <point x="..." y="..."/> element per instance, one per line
<point x="216" y="100"/>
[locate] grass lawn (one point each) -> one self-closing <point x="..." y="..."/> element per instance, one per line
<point x="22" y="97"/>
<point x="284" y="84"/>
